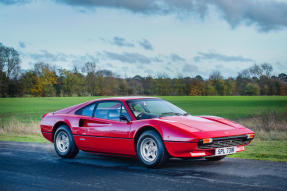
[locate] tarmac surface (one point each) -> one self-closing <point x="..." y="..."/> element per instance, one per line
<point x="35" y="166"/>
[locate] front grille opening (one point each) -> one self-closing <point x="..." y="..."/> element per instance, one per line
<point x="225" y="142"/>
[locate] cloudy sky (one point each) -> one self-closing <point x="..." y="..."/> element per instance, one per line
<point x="148" y="37"/>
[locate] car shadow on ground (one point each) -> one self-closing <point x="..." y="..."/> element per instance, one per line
<point x="95" y="159"/>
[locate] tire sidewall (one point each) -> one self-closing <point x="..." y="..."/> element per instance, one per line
<point x="71" y="140"/>
<point x="160" y="147"/>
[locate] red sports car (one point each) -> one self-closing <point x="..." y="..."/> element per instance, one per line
<point x="149" y="128"/>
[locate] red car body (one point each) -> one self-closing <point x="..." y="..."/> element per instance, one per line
<point x="182" y="135"/>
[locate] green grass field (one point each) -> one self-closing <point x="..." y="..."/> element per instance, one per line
<point x="231" y="107"/>
<point x="268" y="144"/>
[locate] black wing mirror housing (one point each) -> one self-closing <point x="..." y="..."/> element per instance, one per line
<point x="124" y="118"/>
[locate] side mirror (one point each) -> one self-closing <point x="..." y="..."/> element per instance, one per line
<point x="124" y="118"/>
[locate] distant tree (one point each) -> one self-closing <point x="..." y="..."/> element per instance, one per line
<point x="214" y="76"/>
<point x="209" y="89"/>
<point x="255" y="71"/>
<point x="123" y="87"/>
<point x="198" y="77"/>
<point x="149" y="86"/>
<point x="91" y="78"/>
<point x="28" y="79"/>
<point x="220" y="87"/>
<point x="179" y="86"/>
<point x="197" y="87"/>
<point x="72" y="83"/>
<point x="282" y="88"/>
<point x="244" y="74"/>
<point x="9" y="70"/>
<point x="45" y="81"/>
<point x="37" y="88"/>
<point x="9" y="61"/>
<point x="252" y="89"/>
<point x="163" y="84"/>
<point x="267" y="69"/>
<point x="282" y="77"/>
<point x="230" y="86"/>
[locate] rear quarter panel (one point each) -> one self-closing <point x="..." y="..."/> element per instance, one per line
<point x="50" y="120"/>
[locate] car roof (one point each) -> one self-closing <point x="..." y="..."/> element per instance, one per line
<point x="125" y="98"/>
<point x="78" y="106"/>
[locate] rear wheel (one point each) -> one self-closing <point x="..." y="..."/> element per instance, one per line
<point x="64" y="143"/>
<point x="151" y="150"/>
<point x="217" y="158"/>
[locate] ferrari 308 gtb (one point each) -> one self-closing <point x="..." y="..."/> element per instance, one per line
<point x="151" y="129"/>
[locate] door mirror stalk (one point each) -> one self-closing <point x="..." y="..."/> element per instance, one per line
<point x="124" y="118"/>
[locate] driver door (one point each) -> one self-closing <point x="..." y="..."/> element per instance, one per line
<point x="107" y="133"/>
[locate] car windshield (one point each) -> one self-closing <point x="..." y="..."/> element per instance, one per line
<point x="153" y="108"/>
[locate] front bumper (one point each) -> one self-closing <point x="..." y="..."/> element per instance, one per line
<point x="190" y="149"/>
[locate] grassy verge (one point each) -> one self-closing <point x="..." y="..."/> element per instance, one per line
<point x="270" y="142"/>
<point x="24" y="138"/>
<point x="264" y="150"/>
<point x="15" y="130"/>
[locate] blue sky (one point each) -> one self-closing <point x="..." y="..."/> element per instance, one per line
<point x="147" y="37"/>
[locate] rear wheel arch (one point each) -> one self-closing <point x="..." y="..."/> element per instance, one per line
<point x="57" y="125"/>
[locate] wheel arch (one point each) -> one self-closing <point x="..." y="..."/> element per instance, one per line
<point x="141" y="131"/>
<point x="57" y="125"/>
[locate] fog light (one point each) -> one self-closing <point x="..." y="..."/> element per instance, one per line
<point x="207" y="140"/>
<point x="198" y="154"/>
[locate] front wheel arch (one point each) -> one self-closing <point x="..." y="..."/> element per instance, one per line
<point x="141" y="131"/>
<point x="158" y="159"/>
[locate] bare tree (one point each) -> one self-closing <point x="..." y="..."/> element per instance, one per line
<point x="9" y="61"/>
<point x="267" y="69"/>
<point x="214" y="76"/>
<point x="89" y="67"/>
<point x="255" y="71"/>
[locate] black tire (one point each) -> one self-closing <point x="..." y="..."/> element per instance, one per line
<point x="161" y="155"/>
<point x="217" y="158"/>
<point x="71" y="149"/>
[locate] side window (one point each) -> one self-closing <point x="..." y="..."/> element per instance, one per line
<point x="86" y="111"/>
<point x="110" y="110"/>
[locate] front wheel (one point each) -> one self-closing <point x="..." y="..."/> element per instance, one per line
<point x="217" y="158"/>
<point x="151" y="150"/>
<point x="64" y="143"/>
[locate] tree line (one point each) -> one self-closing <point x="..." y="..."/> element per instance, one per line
<point x="45" y="80"/>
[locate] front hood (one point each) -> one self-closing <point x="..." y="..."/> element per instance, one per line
<point x="203" y="123"/>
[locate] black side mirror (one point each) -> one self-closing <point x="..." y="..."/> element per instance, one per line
<point x="124" y="118"/>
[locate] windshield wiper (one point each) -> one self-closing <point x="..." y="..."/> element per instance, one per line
<point x="172" y="113"/>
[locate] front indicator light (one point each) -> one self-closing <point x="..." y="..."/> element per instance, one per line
<point x="250" y="136"/>
<point x="207" y="140"/>
<point x="240" y="148"/>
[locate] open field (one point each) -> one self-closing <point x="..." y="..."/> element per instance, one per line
<point x="267" y="116"/>
<point x="231" y="107"/>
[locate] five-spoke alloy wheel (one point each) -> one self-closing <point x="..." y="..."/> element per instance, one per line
<point x="151" y="150"/>
<point x="64" y="143"/>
